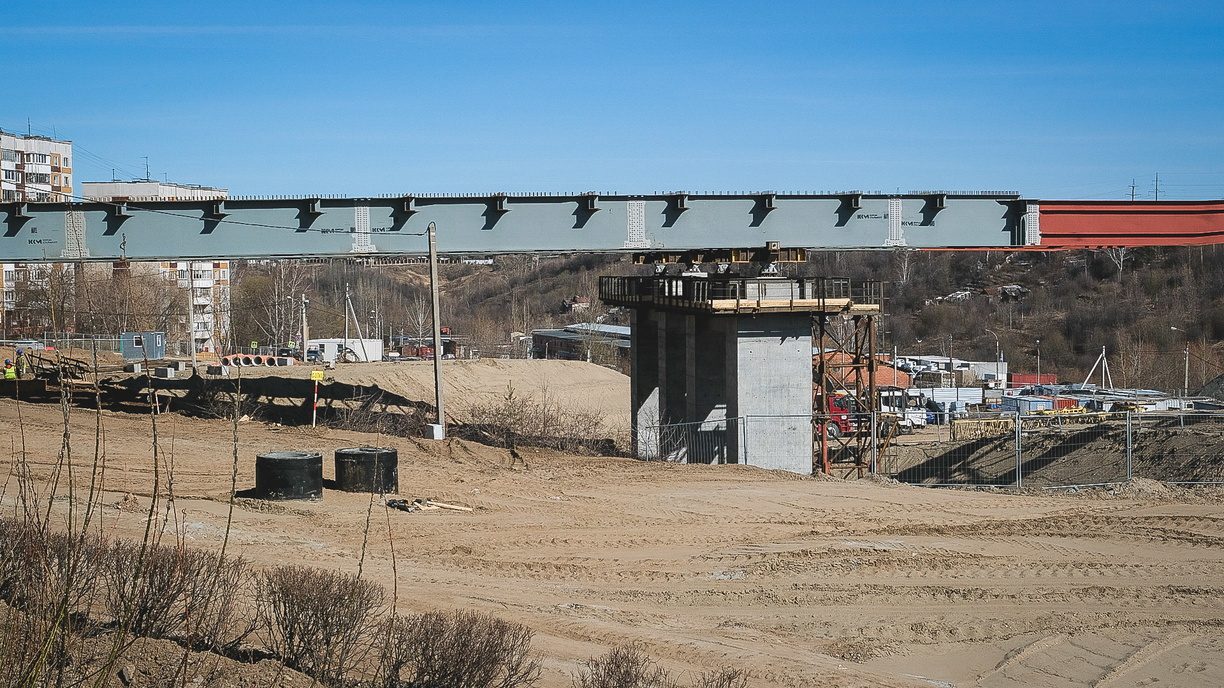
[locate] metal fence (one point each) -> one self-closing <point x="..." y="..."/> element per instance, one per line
<point x="1056" y="450"/>
<point x="711" y="441"/>
<point x="56" y="340"/>
<point x="1060" y="450"/>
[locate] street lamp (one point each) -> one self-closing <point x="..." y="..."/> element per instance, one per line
<point x="1039" y="361"/>
<point x="1186" y="353"/>
<point x="998" y="356"/>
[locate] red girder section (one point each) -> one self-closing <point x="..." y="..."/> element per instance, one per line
<point x="1099" y="224"/>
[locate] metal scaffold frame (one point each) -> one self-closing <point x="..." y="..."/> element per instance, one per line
<point x="845" y="372"/>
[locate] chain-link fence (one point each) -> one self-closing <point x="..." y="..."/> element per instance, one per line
<point x="1062" y="449"/>
<point x="1178" y="447"/>
<point x="1007" y="450"/>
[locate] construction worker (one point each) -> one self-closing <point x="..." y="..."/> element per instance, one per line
<point x="21" y="362"/>
<point x="10" y="372"/>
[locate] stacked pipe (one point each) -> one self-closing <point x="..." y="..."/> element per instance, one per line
<point x="256" y="360"/>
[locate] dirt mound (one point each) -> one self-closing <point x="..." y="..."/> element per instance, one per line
<point x="569" y="384"/>
<point x="1145" y="488"/>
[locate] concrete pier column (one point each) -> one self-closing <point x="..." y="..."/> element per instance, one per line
<point x="708" y="383"/>
<point x="674" y="354"/>
<point x="645" y="341"/>
<point x="774" y="390"/>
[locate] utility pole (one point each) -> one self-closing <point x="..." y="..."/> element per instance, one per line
<point x="1038" y="362"/>
<point x="361" y="336"/>
<point x="191" y="316"/>
<point x="1186" y="377"/>
<point x="1158" y="186"/>
<point x="437" y="330"/>
<point x="1132" y="189"/>
<point x="1186" y="353"/>
<point x="305" y="326"/>
<point x="346" y="321"/>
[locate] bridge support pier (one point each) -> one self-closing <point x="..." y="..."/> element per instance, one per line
<point x="722" y="389"/>
<point x="721" y="367"/>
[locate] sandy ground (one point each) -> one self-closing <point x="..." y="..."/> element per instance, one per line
<point x="804" y="582"/>
<point x="571" y="384"/>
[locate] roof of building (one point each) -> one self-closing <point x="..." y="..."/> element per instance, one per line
<point x="569" y="334"/>
<point x="621" y="331"/>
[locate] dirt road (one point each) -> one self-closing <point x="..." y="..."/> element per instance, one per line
<point x="805" y="582"/>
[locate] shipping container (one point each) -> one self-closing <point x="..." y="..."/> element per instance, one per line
<point x="1027" y="404"/>
<point x="358" y="349"/>
<point x="1026" y="379"/>
<point x="964" y="395"/>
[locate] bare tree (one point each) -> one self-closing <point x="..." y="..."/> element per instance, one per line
<point x="904" y="257"/>
<point x="269" y="300"/>
<point x="420" y="316"/>
<point x="1118" y="257"/>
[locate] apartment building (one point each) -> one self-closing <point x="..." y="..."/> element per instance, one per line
<point x="208" y="282"/>
<point x="35" y="169"/>
<point x="149" y="190"/>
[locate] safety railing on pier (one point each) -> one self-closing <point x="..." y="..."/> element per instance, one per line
<point x="710" y="293"/>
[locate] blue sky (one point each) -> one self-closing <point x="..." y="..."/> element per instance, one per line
<point x="1055" y="100"/>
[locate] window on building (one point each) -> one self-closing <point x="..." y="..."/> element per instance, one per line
<point x="138" y="341"/>
<point x="11" y="175"/>
<point x="67" y="161"/>
<point x="10" y="155"/>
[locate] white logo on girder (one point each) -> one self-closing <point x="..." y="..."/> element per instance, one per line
<point x="1032" y="225"/>
<point x="635" y="225"/>
<point x="896" y="235"/>
<point x="74" y="235"/>
<point x="361" y="230"/>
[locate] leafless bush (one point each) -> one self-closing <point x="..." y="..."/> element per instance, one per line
<point x="149" y="587"/>
<point x="318" y="622"/>
<point x="366" y="418"/>
<point x="44" y="572"/>
<point x="727" y="678"/>
<point x="625" y="666"/>
<point x="48" y="582"/>
<point x="215" y="616"/>
<point x="514" y="419"/>
<point x="73" y="566"/>
<point x="19" y="547"/>
<point x="456" y="650"/>
<point x="21" y="646"/>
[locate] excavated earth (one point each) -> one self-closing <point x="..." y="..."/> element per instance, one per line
<point x="803" y="582"/>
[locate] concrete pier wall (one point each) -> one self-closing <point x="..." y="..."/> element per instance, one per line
<point x="746" y="378"/>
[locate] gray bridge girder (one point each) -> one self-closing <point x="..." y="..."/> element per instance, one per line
<point x="493" y="224"/>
